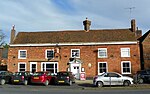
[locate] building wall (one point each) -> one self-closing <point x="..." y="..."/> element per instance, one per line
<point x="88" y="54"/>
<point x="146" y="55"/>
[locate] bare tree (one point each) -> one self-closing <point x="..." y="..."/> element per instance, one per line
<point x="2" y="36"/>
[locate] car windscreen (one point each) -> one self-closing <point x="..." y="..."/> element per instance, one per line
<point x="148" y="71"/>
<point x="2" y="73"/>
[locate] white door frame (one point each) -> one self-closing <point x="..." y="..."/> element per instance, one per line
<point x="31" y="65"/>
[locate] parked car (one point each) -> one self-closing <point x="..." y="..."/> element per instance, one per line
<point x="65" y="77"/>
<point x="5" y="77"/>
<point x="21" y="78"/>
<point x="112" y="78"/>
<point x="45" y="78"/>
<point x="142" y="76"/>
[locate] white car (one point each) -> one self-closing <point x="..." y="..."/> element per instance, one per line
<point x="112" y="78"/>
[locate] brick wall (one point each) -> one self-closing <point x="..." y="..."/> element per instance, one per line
<point x="88" y="54"/>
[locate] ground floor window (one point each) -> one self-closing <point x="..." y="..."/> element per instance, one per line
<point x="49" y="66"/>
<point x="21" y="67"/>
<point x="126" y="67"/>
<point x="102" y="67"/>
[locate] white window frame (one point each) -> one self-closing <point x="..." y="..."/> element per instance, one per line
<point x="19" y="66"/>
<point x="99" y="52"/>
<point x="31" y="65"/>
<point x="76" y="56"/>
<point x="122" y="67"/>
<point x="49" y="63"/>
<point x="124" y="50"/>
<point x="19" y="57"/>
<point x="48" y="50"/>
<point x="99" y="67"/>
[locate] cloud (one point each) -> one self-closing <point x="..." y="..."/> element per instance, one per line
<point x="41" y="15"/>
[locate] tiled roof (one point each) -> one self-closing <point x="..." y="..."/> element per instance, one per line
<point x="108" y="35"/>
<point x="145" y="37"/>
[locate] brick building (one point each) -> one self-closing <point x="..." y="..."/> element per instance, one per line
<point x="89" y="51"/>
<point x="145" y="50"/>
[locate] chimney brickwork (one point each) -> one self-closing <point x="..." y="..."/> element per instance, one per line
<point x="13" y="32"/>
<point x="87" y="24"/>
<point x="133" y="25"/>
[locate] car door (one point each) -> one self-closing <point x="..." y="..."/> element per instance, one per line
<point x="115" y="79"/>
<point x="7" y="77"/>
<point x="106" y="79"/>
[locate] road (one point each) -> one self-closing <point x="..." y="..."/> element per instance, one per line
<point x="38" y="89"/>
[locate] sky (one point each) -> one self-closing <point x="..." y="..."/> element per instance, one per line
<point x="59" y="15"/>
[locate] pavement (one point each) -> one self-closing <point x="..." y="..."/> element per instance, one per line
<point x="84" y="81"/>
<point x="89" y="83"/>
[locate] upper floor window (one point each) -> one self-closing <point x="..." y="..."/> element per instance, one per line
<point x="22" y="54"/>
<point x="75" y="53"/>
<point x="125" y="52"/>
<point x="102" y="53"/>
<point x="49" y="53"/>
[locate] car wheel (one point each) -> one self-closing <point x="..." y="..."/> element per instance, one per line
<point x="126" y="83"/>
<point x="70" y="83"/>
<point x="46" y="83"/>
<point x="2" y="82"/>
<point x="25" y="82"/>
<point x="140" y="81"/>
<point x="99" y="84"/>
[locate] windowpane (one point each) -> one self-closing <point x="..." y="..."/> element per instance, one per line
<point x="102" y="67"/>
<point x="52" y="67"/>
<point x="22" y="54"/>
<point x="75" y="53"/>
<point x="126" y="68"/>
<point x="21" y="67"/>
<point x="50" y="53"/>
<point x="33" y="68"/>
<point x="125" y="52"/>
<point x="102" y="52"/>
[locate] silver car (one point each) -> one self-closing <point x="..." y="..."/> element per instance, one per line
<point x="112" y="78"/>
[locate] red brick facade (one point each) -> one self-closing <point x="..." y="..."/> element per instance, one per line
<point x="88" y="54"/>
<point x="145" y="50"/>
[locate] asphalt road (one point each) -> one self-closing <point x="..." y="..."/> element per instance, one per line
<point x="64" y="89"/>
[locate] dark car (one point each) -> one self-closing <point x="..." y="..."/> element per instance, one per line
<point x="5" y="77"/>
<point x="65" y="77"/>
<point x="45" y="78"/>
<point x="142" y="76"/>
<point x="21" y="78"/>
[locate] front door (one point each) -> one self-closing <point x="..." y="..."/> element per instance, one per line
<point x="33" y="67"/>
<point x="75" y="69"/>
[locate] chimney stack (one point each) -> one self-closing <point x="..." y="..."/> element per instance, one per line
<point x="13" y="32"/>
<point x="133" y="25"/>
<point x="87" y="24"/>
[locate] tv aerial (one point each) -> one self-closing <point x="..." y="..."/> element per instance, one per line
<point x="130" y="10"/>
